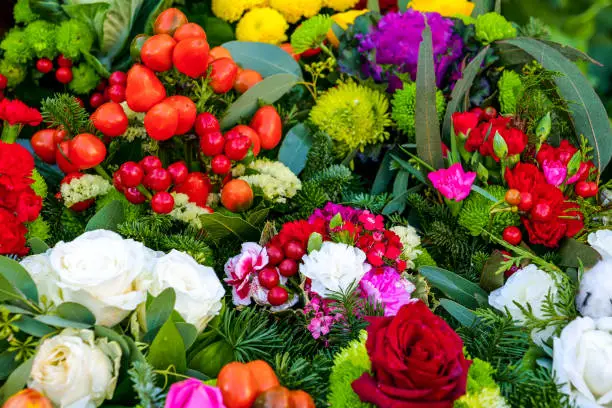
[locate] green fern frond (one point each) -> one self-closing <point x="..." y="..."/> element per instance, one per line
<point x="63" y="111"/>
<point x="143" y="381"/>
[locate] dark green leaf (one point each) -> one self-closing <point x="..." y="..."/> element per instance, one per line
<point x="158" y="311"/>
<point x="572" y="53"/>
<point x="410" y="169"/>
<point x="384" y="175"/>
<point x="108" y="218"/>
<point x="455" y="287"/>
<point x="37" y="245"/>
<point x="16" y="381"/>
<point x="294" y="150"/>
<point x="267" y="59"/>
<point x="462" y="87"/>
<point x="586" y="109"/>
<point x="429" y="143"/>
<point x="483" y="193"/>
<point x="482" y="7"/>
<point x="96" y="65"/>
<point x="398" y="203"/>
<point x="573" y="252"/>
<point x="258" y="217"/>
<point x="33" y="327"/>
<point x="148" y="12"/>
<point x="219" y="226"/>
<point x="402" y="5"/>
<point x="117" y="27"/>
<point x="463" y="315"/>
<point x="8" y="292"/>
<point x="168" y="349"/>
<point x="373" y="5"/>
<point x="489" y="278"/>
<point x="50" y="10"/>
<point x="188" y="332"/>
<point x="267" y="91"/>
<point x="76" y="313"/>
<point x="218" y="31"/>
<point x="91" y="13"/>
<point x="16" y="274"/>
<point x="112" y="335"/>
<point x="61" y="322"/>
<point x="7" y="364"/>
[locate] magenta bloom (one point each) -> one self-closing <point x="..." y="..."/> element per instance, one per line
<point x="348" y="214"/>
<point x="194" y="393"/>
<point x="555" y="172"/>
<point x="387" y="288"/>
<point x="453" y="183"/>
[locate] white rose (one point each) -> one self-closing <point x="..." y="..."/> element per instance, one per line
<point x="197" y="287"/>
<point x="529" y="285"/>
<point x="98" y="270"/>
<point x="601" y="241"/>
<point x="334" y="267"/>
<point x="74" y="371"/>
<point x="39" y="269"/>
<point x="582" y="358"/>
<point x="594" y="297"/>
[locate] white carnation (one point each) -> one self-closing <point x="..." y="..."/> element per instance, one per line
<point x="84" y="188"/>
<point x="334" y="267"/>
<point x="411" y="241"/>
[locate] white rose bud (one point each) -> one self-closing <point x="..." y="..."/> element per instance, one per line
<point x="75" y="371"/>
<point x="582" y="358"/>
<point x="98" y="270"/>
<point x="198" y="289"/>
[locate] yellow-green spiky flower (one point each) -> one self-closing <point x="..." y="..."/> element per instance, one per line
<point x="353" y="115"/>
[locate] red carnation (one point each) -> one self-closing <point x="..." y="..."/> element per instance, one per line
<point x="563" y="153"/>
<point x="28" y="206"/>
<point x="16" y="165"/>
<point x="417" y="361"/>
<point x="299" y="231"/>
<point x="515" y="139"/>
<point x="524" y="177"/>
<point x="16" y="112"/>
<point x="464" y="122"/>
<point x="12" y="235"/>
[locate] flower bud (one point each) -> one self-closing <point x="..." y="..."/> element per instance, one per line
<point x="500" y="147"/>
<point x="574" y="164"/>
<point x="543" y="128"/>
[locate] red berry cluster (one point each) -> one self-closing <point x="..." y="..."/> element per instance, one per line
<point x="111" y="90"/>
<point x="63" y="74"/>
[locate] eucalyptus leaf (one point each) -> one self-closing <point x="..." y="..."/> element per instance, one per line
<point x="8" y="292"/>
<point x="158" y="311"/>
<point x="108" y="218"/>
<point x="465" y="316"/>
<point x="410" y="169"/>
<point x="455" y="287"/>
<point x="16" y="274"/>
<point x="112" y="335"/>
<point x="8" y="364"/>
<point x="33" y="327"/>
<point x="267" y="59"/>
<point x="384" y="175"/>
<point x="398" y="203"/>
<point x="37" y="245"/>
<point x="168" y="349"/>
<point x="76" y="313"/>
<point x="573" y="252"/>
<point x="482" y="7"/>
<point x="219" y="226"/>
<point x="188" y="332"/>
<point x="294" y="149"/>
<point x="16" y="381"/>
<point x="57" y="321"/>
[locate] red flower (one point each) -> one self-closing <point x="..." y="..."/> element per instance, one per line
<point x="16" y="165"/>
<point x="417" y="361"/>
<point x="524" y="177"/>
<point x="376" y="254"/>
<point x="299" y="231"/>
<point x="371" y="222"/>
<point x="17" y="112"/>
<point x="564" y="152"/>
<point x="475" y="140"/>
<point x="464" y="122"/>
<point x="12" y="235"/>
<point x="385" y="5"/>
<point x="515" y="139"/>
<point x="28" y="206"/>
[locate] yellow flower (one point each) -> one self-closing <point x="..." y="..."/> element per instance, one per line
<point x="340" y="5"/>
<point x="294" y="10"/>
<point x="447" y="8"/>
<point x="343" y="20"/>
<point x="232" y="10"/>
<point x="262" y="25"/>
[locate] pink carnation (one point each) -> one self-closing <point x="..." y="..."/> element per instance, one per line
<point x="555" y="172"/>
<point x="388" y="289"/>
<point x="453" y="183"/>
<point x="193" y="393"/>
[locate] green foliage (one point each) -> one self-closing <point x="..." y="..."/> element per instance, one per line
<point x="476" y="214"/>
<point x="85" y="79"/>
<point x="510" y="86"/>
<point x="63" y="111"/>
<point x="38" y="228"/>
<point x="536" y="388"/>
<point x="311" y="33"/>
<point x="299" y="373"/>
<point x="319" y="156"/>
<point x="373" y="202"/>
<point x="40" y="36"/>
<point x="16" y="47"/>
<point x="334" y="179"/>
<point x="424" y="259"/>
<point x="404" y="108"/>
<point x="143" y="381"/>
<point x="493" y="27"/>
<point x="482" y="391"/>
<point x="15" y="73"/>
<point x="39" y="186"/>
<point x="23" y="13"/>
<point x="535" y="28"/>
<point x="73" y="38"/>
<point x="131" y="212"/>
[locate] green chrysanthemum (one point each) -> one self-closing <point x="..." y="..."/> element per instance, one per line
<point x="39" y="186"/>
<point x="482" y="391"/>
<point x="353" y="115"/>
<point x="404" y="108"/>
<point x="14" y="73"/>
<point x="38" y="229"/>
<point x="510" y="86"/>
<point x="475" y="213"/>
<point x="73" y="38"/>
<point x="349" y="364"/>
<point x="493" y="27"/>
<point x="16" y="47"/>
<point x="424" y="259"/>
<point x="85" y="78"/>
<point x="23" y="13"/>
<point x="311" y="33"/>
<point x="40" y="36"/>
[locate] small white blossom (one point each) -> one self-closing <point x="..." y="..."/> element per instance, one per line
<point x="411" y="241"/>
<point x="276" y="181"/>
<point x="186" y="211"/>
<point x="84" y="188"/>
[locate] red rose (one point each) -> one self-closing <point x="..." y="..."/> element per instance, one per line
<point x="28" y="207"/>
<point x="417" y="361"/>
<point x="524" y="177"/>
<point x="564" y="152"/>
<point x="12" y="235"/>
<point x="17" y="112"/>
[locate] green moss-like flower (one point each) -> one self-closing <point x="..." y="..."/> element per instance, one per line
<point x="424" y="259"/>
<point x="40" y="36"/>
<point x="39" y="186"/>
<point x="14" y="73"/>
<point x="493" y="27"/>
<point x="311" y="33"/>
<point x="475" y="213"/>
<point x="349" y="364"/>
<point x="510" y="86"/>
<point x="353" y="115"/>
<point x="84" y="79"/>
<point x="482" y="391"/>
<point x="73" y="38"/>
<point x="16" y="47"/>
<point x="23" y="13"/>
<point x="404" y="108"/>
<point x="38" y="229"/>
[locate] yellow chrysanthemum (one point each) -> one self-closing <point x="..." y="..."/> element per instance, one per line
<point x="343" y="20"/>
<point x="232" y="10"/>
<point x="262" y="25"/>
<point x="340" y="5"/>
<point x="447" y="8"/>
<point x="294" y="10"/>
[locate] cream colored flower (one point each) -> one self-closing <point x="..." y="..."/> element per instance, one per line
<point x="84" y="188"/>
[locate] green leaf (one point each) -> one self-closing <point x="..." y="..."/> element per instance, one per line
<point x="482" y="7"/>
<point x="455" y="287"/>
<point x="483" y="193"/>
<point x="112" y="335"/>
<point x="428" y="141"/>
<point x="315" y="241"/>
<point x="400" y="185"/>
<point x="159" y="311"/>
<point x="462" y="89"/>
<point x="489" y="278"/>
<point x="117" y="26"/>
<point x="219" y="226"/>
<point x="96" y="64"/>
<point x="336" y="221"/>
<point x="108" y="218"/>
<point x="147" y="13"/>
<point x="188" y="332"/>
<point x="571" y="53"/>
<point x="217" y="31"/>
<point x="8" y="364"/>
<point x="402" y="5"/>
<point x="267" y="91"/>
<point x="37" y="245"/>
<point x="16" y="381"/>
<point x="76" y="313"/>
<point x="463" y="315"/>
<point x="91" y="13"/>
<point x="294" y="150"/>
<point x="586" y="109"/>
<point x="33" y="327"/>
<point x="8" y="292"/>
<point x="267" y="59"/>
<point x="50" y="10"/>
<point x="168" y="349"/>
<point x="384" y="175"/>
<point x="373" y="5"/>
<point x="572" y="252"/>
<point x="258" y="217"/>
<point x="16" y="274"/>
<point x="57" y="321"/>
<point x="410" y="169"/>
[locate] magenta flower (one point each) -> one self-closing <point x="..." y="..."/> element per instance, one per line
<point x="194" y="393"/>
<point x="453" y="183"/>
<point x="555" y="172"/>
<point x="388" y="289"/>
